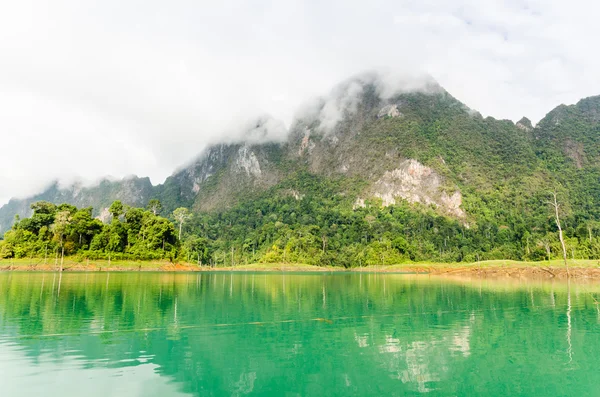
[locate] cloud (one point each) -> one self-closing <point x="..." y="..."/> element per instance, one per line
<point x="344" y="98"/>
<point x="328" y="110"/>
<point x="93" y="88"/>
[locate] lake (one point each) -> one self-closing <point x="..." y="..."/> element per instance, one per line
<point x="234" y="334"/>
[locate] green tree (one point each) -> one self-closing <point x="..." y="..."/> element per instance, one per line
<point x="62" y="221"/>
<point x="197" y="248"/>
<point x="116" y="210"/>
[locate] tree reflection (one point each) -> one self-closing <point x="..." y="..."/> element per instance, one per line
<point x="231" y="334"/>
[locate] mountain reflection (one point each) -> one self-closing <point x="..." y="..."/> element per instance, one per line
<point x="253" y="333"/>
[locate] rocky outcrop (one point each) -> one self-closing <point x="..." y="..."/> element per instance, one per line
<point x="389" y="111"/>
<point x="306" y="144"/>
<point x="416" y="183"/>
<point x="575" y="151"/>
<point x="524" y="124"/>
<point x="247" y="162"/>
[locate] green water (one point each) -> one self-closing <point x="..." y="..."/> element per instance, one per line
<point x="224" y="334"/>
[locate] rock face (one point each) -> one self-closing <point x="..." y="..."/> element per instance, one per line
<point x="416" y="183"/>
<point x="181" y="188"/>
<point x="104" y="216"/>
<point x="306" y="145"/>
<point x="575" y="152"/>
<point x="221" y="176"/>
<point x="247" y="161"/>
<point x="524" y="124"/>
<point x="389" y="111"/>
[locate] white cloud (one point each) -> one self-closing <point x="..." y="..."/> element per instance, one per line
<point x="92" y="88"/>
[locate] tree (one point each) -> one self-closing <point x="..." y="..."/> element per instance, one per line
<point x="61" y="222"/>
<point x="197" y="248"/>
<point x="114" y="240"/>
<point x="43" y="213"/>
<point x="84" y="226"/>
<point x="154" y="206"/>
<point x="590" y="228"/>
<point x="116" y="209"/>
<point x="160" y="234"/>
<point x="181" y="214"/>
<point x="43" y="207"/>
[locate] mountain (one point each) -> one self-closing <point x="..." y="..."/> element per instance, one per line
<point x="371" y="145"/>
<point x="424" y="147"/>
<point x="132" y="190"/>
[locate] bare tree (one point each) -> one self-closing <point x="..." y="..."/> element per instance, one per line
<point x="545" y="242"/>
<point x="591" y="226"/>
<point x="181" y="214"/>
<point x="154" y="206"/>
<point x="556" y="206"/>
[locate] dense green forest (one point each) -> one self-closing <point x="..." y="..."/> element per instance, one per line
<point x="322" y="229"/>
<point x="55" y="231"/>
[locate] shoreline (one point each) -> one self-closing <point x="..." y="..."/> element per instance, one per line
<point x="589" y="269"/>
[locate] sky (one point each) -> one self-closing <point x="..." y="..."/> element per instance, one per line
<point x="121" y="87"/>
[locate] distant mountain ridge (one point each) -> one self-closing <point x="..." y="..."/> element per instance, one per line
<point x="132" y="190"/>
<point x="384" y="146"/>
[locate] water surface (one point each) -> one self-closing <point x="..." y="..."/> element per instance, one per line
<point x="233" y="334"/>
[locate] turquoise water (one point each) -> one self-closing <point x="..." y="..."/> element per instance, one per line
<point x="224" y="334"/>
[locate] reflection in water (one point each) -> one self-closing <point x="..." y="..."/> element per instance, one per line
<point x="569" y="325"/>
<point x="300" y="334"/>
<point x="73" y="376"/>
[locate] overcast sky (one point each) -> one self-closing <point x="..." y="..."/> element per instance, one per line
<point x="120" y="87"/>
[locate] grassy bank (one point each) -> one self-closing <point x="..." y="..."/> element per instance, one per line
<point x="579" y="268"/>
<point x="555" y="268"/>
<point x="503" y="263"/>
<point x="73" y="264"/>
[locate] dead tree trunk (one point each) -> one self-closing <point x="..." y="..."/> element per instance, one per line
<point x="556" y="206"/>
<point x="62" y="257"/>
<point x="547" y="248"/>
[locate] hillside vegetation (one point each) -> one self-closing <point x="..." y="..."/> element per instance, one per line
<point x="364" y="178"/>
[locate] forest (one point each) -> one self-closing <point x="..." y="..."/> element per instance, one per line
<point x="320" y="229"/>
<point x="55" y="231"/>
